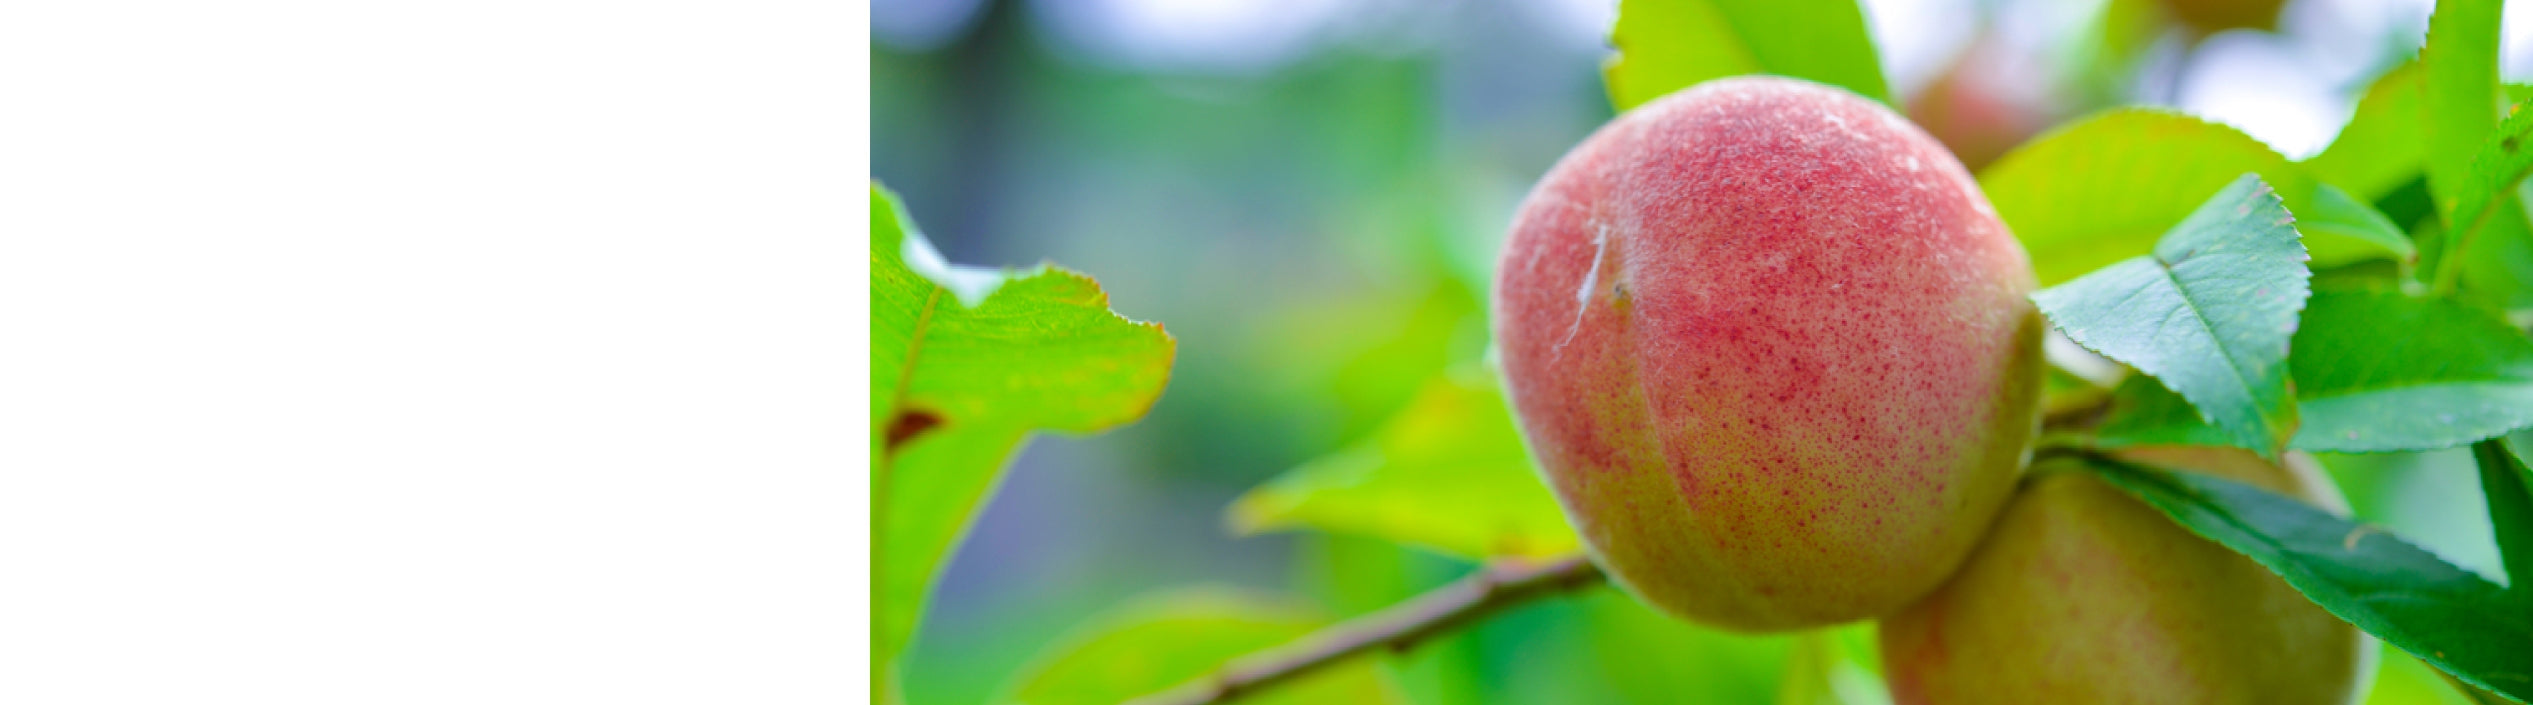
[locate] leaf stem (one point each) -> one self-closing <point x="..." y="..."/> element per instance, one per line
<point x="1492" y="589"/>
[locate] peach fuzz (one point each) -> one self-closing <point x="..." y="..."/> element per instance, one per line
<point x="1771" y="349"/>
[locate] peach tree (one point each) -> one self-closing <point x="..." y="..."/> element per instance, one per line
<point x="1769" y="360"/>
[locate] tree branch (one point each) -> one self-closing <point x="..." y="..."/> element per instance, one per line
<point x="1492" y="589"/>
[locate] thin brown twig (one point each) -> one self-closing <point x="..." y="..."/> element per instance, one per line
<point x="1396" y="629"/>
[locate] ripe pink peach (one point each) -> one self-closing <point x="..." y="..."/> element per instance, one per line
<point x="1770" y="346"/>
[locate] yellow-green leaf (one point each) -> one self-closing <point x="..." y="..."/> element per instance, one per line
<point x="2104" y="188"/>
<point x="965" y="364"/>
<point x="1448" y="473"/>
<point x="1161" y="641"/>
<point x="2460" y="93"/>
<point x="2501" y="163"/>
<point x="1667" y="45"/>
<point x="2380" y="148"/>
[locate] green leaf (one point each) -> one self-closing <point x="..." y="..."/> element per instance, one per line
<point x="2396" y="591"/>
<point x="1667" y="45"/>
<point x="2498" y="271"/>
<point x="1161" y="641"/>
<point x="1447" y="473"/>
<point x="2381" y="371"/>
<point x="2476" y="694"/>
<point x="965" y="363"/>
<point x="2508" y="487"/>
<point x="2403" y="680"/>
<point x="2145" y="413"/>
<point x="2209" y="313"/>
<point x="2379" y="149"/>
<point x="2339" y="229"/>
<point x="2456" y="376"/>
<point x="2460" y="93"/>
<point x="2463" y="98"/>
<point x="2104" y="188"/>
<point x="2496" y="168"/>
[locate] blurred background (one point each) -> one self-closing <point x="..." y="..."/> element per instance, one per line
<point x="1309" y="194"/>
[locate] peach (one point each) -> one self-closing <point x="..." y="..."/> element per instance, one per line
<point x="2083" y="594"/>
<point x="1771" y="349"/>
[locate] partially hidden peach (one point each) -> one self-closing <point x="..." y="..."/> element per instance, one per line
<point x="1771" y="349"/>
<point x="1980" y="106"/>
<point x="2084" y="594"/>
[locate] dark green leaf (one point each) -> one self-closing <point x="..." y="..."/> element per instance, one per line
<point x="1161" y="641"/>
<point x="2381" y="371"/>
<point x="1447" y="473"/>
<point x="2104" y="188"/>
<point x="965" y="363"/>
<point x="2209" y="313"/>
<point x="2508" y="487"/>
<point x="1667" y="45"/>
<point x="2396" y="591"/>
<point x="2457" y="375"/>
<point x="2410" y="206"/>
<point x="2380" y="148"/>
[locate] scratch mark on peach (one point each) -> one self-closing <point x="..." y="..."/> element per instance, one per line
<point x="1591" y="278"/>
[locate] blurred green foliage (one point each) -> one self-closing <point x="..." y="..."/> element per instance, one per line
<point x="2379" y="148"/>
<point x="1162" y="640"/>
<point x="1448" y="474"/>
